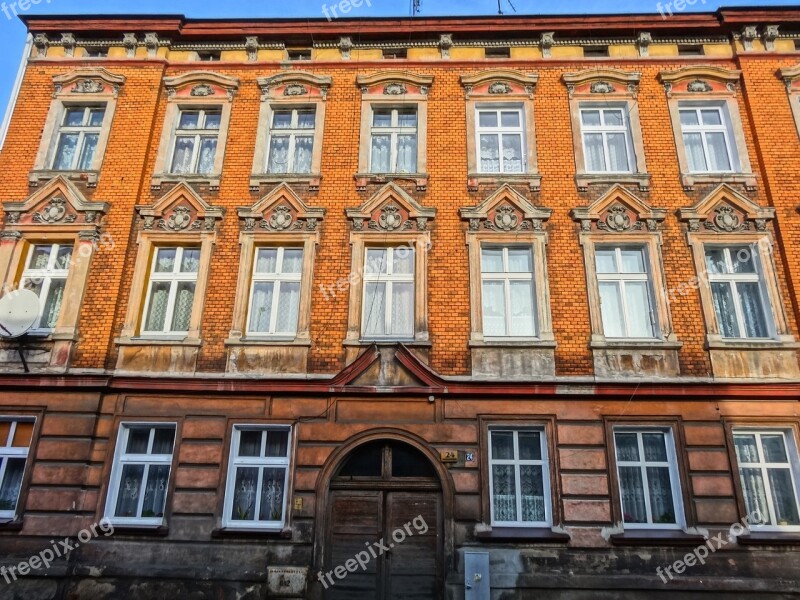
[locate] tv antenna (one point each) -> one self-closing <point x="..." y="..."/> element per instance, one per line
<point x="19" y="311"/>
<point x="500" y="6"/>
<point x="416" y="7"/>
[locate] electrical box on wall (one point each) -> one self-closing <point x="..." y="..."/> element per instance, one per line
<point x="476" y="576"/>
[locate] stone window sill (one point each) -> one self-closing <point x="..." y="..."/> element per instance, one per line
<point x="253" y="341"/>
<point x="606" y="344"/>
<point x="363" y="179"/>
<point x="584" y="180"/>
<point x="690" y="180"/>
<point x="312" y="180"/>
<point x="11" y="525"/>
<point x="389" y="343"/>
<point x="88" y="177"/>
<point x="657" y="537"/>
<point x="157" y="341"/>
<point x="212" y="181"/>
<point x="532" y="180"/>
<point x="523" y="535"/>
<point x="744" y="344"/>
<point x="772" y="538"/>
<point x="513" y="343"/>
<point x="251" y="533"/>
<point x="142" y="530"/>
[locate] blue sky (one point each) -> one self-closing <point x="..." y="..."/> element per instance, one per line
<point x="12" y="32"/>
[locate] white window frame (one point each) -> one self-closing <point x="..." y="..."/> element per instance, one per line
<point x="704" y="130"/>
<point x="259" y="462"/>
<point x="389" y="278"/>
<point x="732" y="279"/>
<point x="46" y="276"/>
<point x="517" y="463"/>
<point x="794" y="469"/>
<point x="621" y="279"/>
<point x="499" y="132"/>
<point x="122" y="458"/>
<point x="278" y="279"/>
<point x="605" y="130"/>
<point x="7" y="452"/>
<point x="293" y="132"/>
<point x="506" y="277"/>
<point x="198" y="134"/>
<point x="82" y="130"/>
<point x="394" y="131"/>
<point x="642" y="464"/>
<point x="175" y="278"/>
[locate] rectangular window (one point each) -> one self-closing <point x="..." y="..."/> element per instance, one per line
<point x="519" y="478"/>
<point x="770" y="475"/>
<point x="275" y="293"/>
<point x="501" y="139"/>
<point x="649" y="483"/>
<point x="395" y="53"/>
<point x="196" y="137"/>
<point x="258" y="476"/>
<point x="691" y="50"/>
<point x="77" y="137"/>
<point x="607" y="142"/>
<point x="626" y="302"/>
<point x="394" y="140"/>
<point x="498" y="52"/>
<point x="509" y="301"/>
<point x="291" y="140"/>
<point x="388" y="310"/>
<point x="171" y="289"/>
<point x="15" y="442"/>
<point x="46" y="272"/>
<point x="301" y="54"/>
<point x="737" y="287"/>
<point x="140" y="476"/>
<point x="595" y="51"/>
<point x="209" y="56"/>
<point x="707" y="139"/>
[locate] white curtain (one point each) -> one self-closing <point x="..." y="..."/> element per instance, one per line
<point x="504" y="493"/>
<point x="261" y="309"/>
<point x="638" y="302"/>
<point x="303" y="150"/>
<point x="512" y="153"/>
<point x="494" y="309"/>
<point x="375" y="309"/>
<point x="88" y="151"/>
<point x="490" y="154"/>
<point x="272" y="484"/>
<point x="726" y="312"/>
<point x="595" y="153"/>
<point x="155" y="494"/>
<point x="278" y="154"/>
<point x="52" y="306"/>
<point x="522" y="319"/>
<point x="718" y="152"/>
<point x="381" y="153"/>
<point x="753" y="310"/>
<point x="130" y="487"/>
<point x="12" y="481"/>
<point x="693" y="142"/>
<point x="288" y="307"/>
<point x="182" y="159"/>
<point x="406" y="154"/>
<point x="403" y="309"/>
<point x="65" y="153"/>
<point x="611" y="310"/>
<point x="618" y="153"/>
<point x="157" y="311"/>
<point x="208" y="153"/>
<point x="183" y="307"/>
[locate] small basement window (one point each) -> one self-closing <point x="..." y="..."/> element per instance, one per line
<point x="301" y="54"/>
<point x="395" y="53"/>
<point x="501" y="52"/>
<point x="595" y="51"/>
<point x="209" y="56"/>
<point x="691" y="50"/>
<point x="797" y="45"/>
<point x="96" y="52"/>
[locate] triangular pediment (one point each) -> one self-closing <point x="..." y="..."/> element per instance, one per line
<point x="281" y="210"/>
<point x="389" y="367"/>
<point x="725" y="210"/>
<point x="58" y="202"/>
<point x="391" y="209"/>
<point x="619" y="210"/>
<point x="505" y="209"/>
<point x="180" y="209"/>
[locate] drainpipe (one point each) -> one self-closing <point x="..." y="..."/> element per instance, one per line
<point x="15" y="91"/>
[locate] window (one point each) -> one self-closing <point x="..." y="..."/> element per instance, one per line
<point x="770" y="475"/>
<point x="140" y="475"/>
<point x="388" y="310"/>
<point x="275" y="294"/>
<point x="196" y="140"/>
<point x="291" y="140"/>
<point x="518" y="478"/>
<point x="395" y="53"/>
<point x="257" y="477"/>
<point x="625" y="292"/>
<point x="96" y="52"/>
<point x="648" y="478"/>
<point x="46" y="272"/>
<point x="691" y="50"/>
<point x="737" y="290"/>
<point x="706" y="137"/>
<point x="304" y="54"/>
<point x="15" y="442"/>
<point x="77" y="138"/>
<point x="501" y="139"/>
<point x="508" y="292"/>
<point x="210" y="56"/>
<point x="497" y="53"/>
<point x="170" y="295"/>
<point x="607" y="142"/>
<point x="595" y="51"/>
<point x="394" y="140"/>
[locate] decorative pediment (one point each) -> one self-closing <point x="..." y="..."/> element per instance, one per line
<point x="280" y="211"/>
<point x="201" y="84"/>
<point x="700" y="80"/>
<point x="500" y="83"/>
<point x="726" y="211"/>
<point x="180" y="210"/>
<point x="791" y="77"/>
<point x="88" y="80"/>
<point x="602" y="83"/>
<point x="505" y="210"/>
<point x="619" y="211"/>
<point x="391" y="210"/>
<point x="294" y="84"/>
<point x="58" y="203"/>
<point x="395" y="83"/>
<point x="388" y="367"/>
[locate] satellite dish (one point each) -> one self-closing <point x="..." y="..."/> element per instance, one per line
<point x="18" y="313"/>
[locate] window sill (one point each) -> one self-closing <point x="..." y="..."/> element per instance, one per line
<point x="717" y="343"/>
<point x="523" y="534"/>
<point x="773" y="538"/>
<point x="513" y="343"/>
<point x="532" y="180"/>
<point x="363" y="179"/>
<point x="690" y="180"/>
<point x="157" y="341"/>
<point x="584" y="180"/>
<point x="142" y="530"/>
<point x="621" y="344"/>
<point x="312" y="180"/>
<point x="389" y="343"/>
<point x="254" y="341"/>
<point x="657" y="537"/>
<point x="251" y="533"/>
<point x="212" y="181"/>
<point x="38" y="176"/>
<point x="10" y="525"/>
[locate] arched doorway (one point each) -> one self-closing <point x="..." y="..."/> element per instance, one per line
<point x="385" y="513"/>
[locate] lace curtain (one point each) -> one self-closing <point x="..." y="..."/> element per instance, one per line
<point x="12" y="481"/>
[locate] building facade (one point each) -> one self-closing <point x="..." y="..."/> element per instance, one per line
<point x="341" y="309"/>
